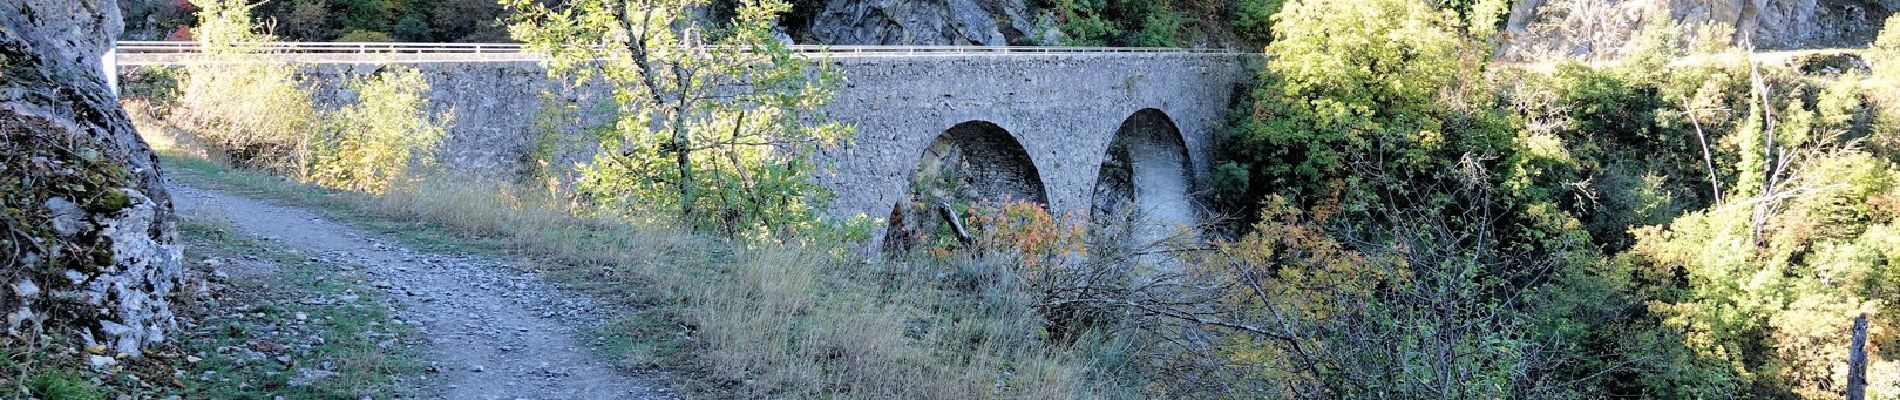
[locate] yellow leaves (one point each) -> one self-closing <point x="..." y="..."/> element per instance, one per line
<point x="1028" y="231"/>
<point x="1810" y="343"/>
<point x="1300" y="255"/>
<point x="372" y="144"/>
<point x="1794" y="293"/>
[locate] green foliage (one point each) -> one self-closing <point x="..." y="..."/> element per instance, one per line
<point x="1399" y="308"/>
<point x="413" y="29"/>
<point x="60" y="384"/>
<point x="1121" y="22"/>
<point x="304" y="20"/>
<point x="378" y="141"/>
<point x="1762" y="285"/>
<point x="468" y="21"/>
<point x="237" y="100"/>
<point x="363" y="35"/>
<point x="1613" y="146"/>
<point x="1253" y="19"/>
<point x="364" y="15"/>
<point x="242" y="105"/>
<point x="1884" y="54"/>
<point x="736" y="161"/>
<point x="1161" y="28"/>
<point x="1359" y="81"/>
<point x="1884" y="57"/>
<point x="1402" y="194"/>
<point x="404" y="20"/>
<point x="1082" y="21"/>
<point x="1747" y="191"/>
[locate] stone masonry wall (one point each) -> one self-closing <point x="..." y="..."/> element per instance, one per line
<point x="1064" y="109"/>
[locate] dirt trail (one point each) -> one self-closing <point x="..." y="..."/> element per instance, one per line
<point x="493" y="332"/>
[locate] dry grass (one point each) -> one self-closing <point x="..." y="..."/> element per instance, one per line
<point x="751" y="319"/>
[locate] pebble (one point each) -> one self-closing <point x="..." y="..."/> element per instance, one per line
<point x="101" y="362"/>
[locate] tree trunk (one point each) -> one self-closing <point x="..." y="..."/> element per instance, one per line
<point x="683" y="156"/>
<point x="1857" y="361"/>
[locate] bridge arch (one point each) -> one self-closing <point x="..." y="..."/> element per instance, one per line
<point x="974" y="161"/>
<point x="1144" y="189"/>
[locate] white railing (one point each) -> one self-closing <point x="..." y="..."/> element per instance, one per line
<point x="151" y="53"/>
<point x="151" y="47"/>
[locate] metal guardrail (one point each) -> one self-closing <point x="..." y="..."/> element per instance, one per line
<point x="151" y="52"/>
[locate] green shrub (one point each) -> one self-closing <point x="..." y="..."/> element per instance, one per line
<point x="1884" y="54"/>
<point x="380" y="139"/>
<point x="238" y="101"/>
<point x="1082" y="21"/>
<point x="1161" y="28"/>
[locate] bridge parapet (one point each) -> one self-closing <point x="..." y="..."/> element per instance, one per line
<point x="138" y="53"/>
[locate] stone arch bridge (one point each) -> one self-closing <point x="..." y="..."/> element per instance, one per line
<point x="1106" y="131"/>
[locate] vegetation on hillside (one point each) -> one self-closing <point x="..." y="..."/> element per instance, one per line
<point x="331" y="20"/>
<point x="1165" y="23"/>
<point x="1414" y="220"/>
<point x="1642" y="229"/>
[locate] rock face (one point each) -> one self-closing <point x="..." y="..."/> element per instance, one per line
<point x="87" y="234"/>
<point x="925" y="22"/>
<point x="1602" y="29"/>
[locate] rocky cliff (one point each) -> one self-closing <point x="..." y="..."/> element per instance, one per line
<point x="87" y="237"/>
<point x="928" y="22"/>
<point x="1601" y="29"/>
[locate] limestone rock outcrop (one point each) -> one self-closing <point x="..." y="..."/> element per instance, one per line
<point x="926" y="22"/>
<point x="1602" y="29"/>
<point x="88" y="239"/>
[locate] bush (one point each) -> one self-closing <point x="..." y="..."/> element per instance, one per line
<point x="379" y="140"/>
<point x="238" y="101"/>
<point x="1884" y="54"/>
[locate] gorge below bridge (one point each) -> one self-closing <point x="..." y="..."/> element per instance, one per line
<point x="1102" y="131"/>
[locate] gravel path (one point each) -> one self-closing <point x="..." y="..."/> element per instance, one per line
<point x="493" y="331"/>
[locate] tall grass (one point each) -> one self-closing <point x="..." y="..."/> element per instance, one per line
<point x="799" y="318"/>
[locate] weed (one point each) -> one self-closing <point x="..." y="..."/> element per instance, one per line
<point x="64" y="384"/>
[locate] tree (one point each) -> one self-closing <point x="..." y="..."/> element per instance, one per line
<point x="715" y="119"/>
<point x="364" y="15"/>
<point x="412" y="29"/>
<point x="307" y="20"/>
<point x="1386" y="81"/>
<point x="468" y="21"/>
<point x="1398" y="254"/>
<point x="1764" y="284"/>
